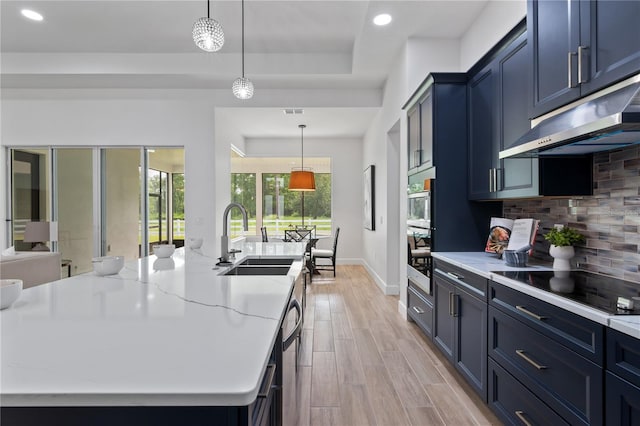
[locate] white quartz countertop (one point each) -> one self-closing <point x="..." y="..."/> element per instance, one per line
<point x="485" y="263"/>
<point x="161" y="332"/>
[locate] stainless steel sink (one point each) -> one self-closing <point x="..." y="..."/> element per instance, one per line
<point x="268" y="261"/>
<point x="258" y="270"/>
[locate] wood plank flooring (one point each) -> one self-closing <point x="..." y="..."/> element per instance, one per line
<point x="360" y="363"/>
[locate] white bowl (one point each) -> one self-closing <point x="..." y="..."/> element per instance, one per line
<point x="10" y="290"/>
<point x="164" y="250"/>
<point x="107" y="265"/>
<point x="195" y="243"/>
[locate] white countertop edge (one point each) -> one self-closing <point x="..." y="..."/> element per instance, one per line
<point x="129" y="400"/>
<point x="629" y="325"/>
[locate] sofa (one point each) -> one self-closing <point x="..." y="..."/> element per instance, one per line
<point x="33" y="268"/>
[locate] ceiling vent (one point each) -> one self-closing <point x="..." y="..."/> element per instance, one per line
<point x="293" y="111"/>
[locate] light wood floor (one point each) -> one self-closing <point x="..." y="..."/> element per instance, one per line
<point x="360" y="363"/>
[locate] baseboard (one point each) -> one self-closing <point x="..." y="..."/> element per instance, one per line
<point x="386" y="288"/>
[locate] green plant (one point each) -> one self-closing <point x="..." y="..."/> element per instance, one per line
<point x="564" y="237"/>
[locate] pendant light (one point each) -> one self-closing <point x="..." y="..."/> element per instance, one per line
<point x="302" y="179"/>
<point x="242" y="87"/>
<point x="207" y="33"/>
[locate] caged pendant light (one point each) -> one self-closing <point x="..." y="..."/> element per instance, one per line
<point x="302" y="179"/>
<point x="242" y="87"/>
<point x="207" y="33"/>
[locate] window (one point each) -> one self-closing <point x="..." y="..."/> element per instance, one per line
<point x="243" y="191"/>
<point x="261" y="185"/>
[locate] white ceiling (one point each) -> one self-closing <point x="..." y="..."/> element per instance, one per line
<point x="296" y="44"/>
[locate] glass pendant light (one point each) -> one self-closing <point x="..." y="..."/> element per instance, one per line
<point x="207" y="33"/>
<point x="302" y="179"/>
<point x="242" y="87"/>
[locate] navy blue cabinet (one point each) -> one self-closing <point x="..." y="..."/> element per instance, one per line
<point x="622" y="379"/>
<point x="580" y="46"/>
<point x="498" y="101"/>
<point x="622" y="402"/>
<point x="436" y="120"/>
<point x="460" y="322"/>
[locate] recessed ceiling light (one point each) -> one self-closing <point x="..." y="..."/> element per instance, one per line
<point x="34" y="16"/>
<point x="293" y="111"/>
<point x="382" y="19"/>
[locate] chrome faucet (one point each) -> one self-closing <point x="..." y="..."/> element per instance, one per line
<point x="225" y="253"/>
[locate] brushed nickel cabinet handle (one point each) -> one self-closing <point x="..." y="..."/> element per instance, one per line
<point x="268" y="384"/>
<point x="521" y="354"/>
<point x="455" y="276"/>
<point x="490" y="180"/>
<point x="580" y="50"/>
<point x="417" y="310"/>
<point x="455" y="305"/>
<point x="531" y="314"/>
<point x="570" y="69"/>
<point x="451" y="303"/>
<point x="520" y="415"/>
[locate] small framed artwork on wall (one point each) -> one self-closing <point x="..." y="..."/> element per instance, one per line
<point x="369" y="198"/>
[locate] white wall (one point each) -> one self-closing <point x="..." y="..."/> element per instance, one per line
<point x="347" y="184"/>
<point x="127" y="122"/>
<point x="497" y="18"/>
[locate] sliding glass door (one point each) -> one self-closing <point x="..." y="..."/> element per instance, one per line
<point x="106" y="201"/>
<point x="29" y="191"/>
<point x="73" y="171"/>
<point x="121" y="189"/>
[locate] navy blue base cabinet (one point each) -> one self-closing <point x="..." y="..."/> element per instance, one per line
<point x="622" y="379"/>
<point x="460" y="322"/>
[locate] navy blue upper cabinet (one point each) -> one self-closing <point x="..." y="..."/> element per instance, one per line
<point x="498" y="99"/>
<point x="578" y="47"/>
<point x="482" y="112"/>
<point x="436" y="121"/>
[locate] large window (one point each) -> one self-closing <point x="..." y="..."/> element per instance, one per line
<point x="261" y="185"/>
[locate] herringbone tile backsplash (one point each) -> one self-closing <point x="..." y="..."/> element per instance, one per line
<point x="610" y="218"/>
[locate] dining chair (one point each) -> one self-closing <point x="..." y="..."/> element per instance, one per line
<point x="420" y="256"/>
<point x="317" y="254"/>
<point x="263" y="231"/>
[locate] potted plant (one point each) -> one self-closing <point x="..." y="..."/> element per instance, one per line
<point x="562" y="240"/>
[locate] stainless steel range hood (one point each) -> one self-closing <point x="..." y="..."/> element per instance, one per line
<point x="603" y="121"/>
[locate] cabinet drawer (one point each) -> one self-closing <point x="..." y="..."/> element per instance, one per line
<point x="573" y="331"/>
<point x="622" y="402"/>
<point x="473" y="283"/>
<point x="515" y="404"/>
<point x="568" y="383"/>
<point x="420" y="309"/>
<point x="623" y="356"/>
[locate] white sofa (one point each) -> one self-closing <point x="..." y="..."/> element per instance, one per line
<point x="32" y="268"/>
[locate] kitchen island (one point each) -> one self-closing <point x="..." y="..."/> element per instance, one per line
<point x="163" y="339"/>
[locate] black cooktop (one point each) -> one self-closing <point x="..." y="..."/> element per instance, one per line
<point x="594" y="290"/>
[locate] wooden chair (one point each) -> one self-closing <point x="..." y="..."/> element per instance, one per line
<point x="419" y="255"/>
<point x="263" y="231"/>
<point x="326" y="254"/>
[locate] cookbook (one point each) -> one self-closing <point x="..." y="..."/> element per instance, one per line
<point x="509" y="234"/>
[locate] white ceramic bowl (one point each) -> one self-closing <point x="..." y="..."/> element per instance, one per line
<point x="10" y="290"/>
<point x="195" y="243"/>
<point x="164" y="250"/>
<point x="107" y="265"/>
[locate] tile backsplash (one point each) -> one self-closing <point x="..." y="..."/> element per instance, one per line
<point x="610" y="218"/>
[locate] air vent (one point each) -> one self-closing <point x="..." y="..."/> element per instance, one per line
<point x="293" y="111"/>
